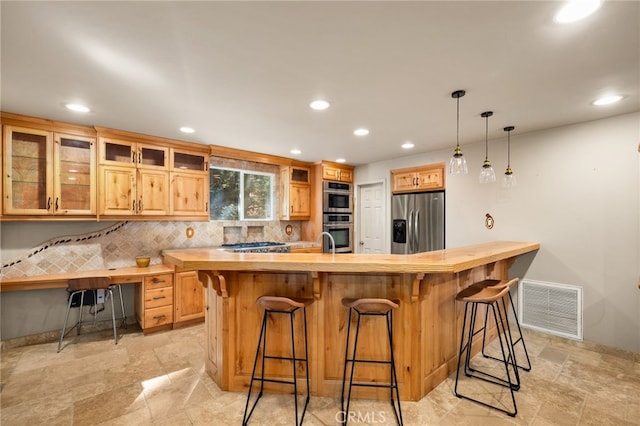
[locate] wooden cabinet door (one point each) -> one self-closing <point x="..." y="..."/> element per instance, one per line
<point x="188" y="160"/>
<point x="189" y="194"/>
<point x="299" y="196"/>
<point x="430" y="179"/>
<point x="152" y="157"/>
<point x="189" y="297"/>
<point x="330" y="173"/>
<point x="75" y="173"/>
<point x="117" y="191"/>
<point x="115" y="152"/>
<point x="346" y="175"/>
<point x="152" y="189"/>
<point x="404" y="182"/>
<point x="28" y="180"/>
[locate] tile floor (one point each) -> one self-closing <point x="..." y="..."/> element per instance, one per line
<point x="159" y="379"/>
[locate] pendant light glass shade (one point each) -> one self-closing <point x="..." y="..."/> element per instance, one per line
<point x="457" y="163"/>
<point x="487" y="175"/>
<point x="509" y="179"/>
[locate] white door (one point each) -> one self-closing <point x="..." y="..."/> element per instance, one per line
<point x="371" y="217"/>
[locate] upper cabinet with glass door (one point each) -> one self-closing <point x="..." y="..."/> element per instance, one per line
<point x="48" y="173"/>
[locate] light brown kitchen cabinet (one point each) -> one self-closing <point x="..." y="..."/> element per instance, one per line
<point x="153" y="301"/>
<point x="133" y="179"/>
<point x="337" y="173"/>
<point x="48" y="173"/>
<point x="189" y="297"/>
<point x="415" y="179"/>
<point x="189" y="183"/>
<point x="295" y="193"/>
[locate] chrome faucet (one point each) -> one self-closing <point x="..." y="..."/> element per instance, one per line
<point x="333" y="243"/>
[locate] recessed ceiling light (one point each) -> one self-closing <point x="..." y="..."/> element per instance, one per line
<point x="361" y="132"/>
<point x="295" y="151"/>
<point x="319" y="105"/>
<point x="576" y="10"/>
<point x="77" y="108"/>
<point x="407" y="145"/>
<point x="340" y="160"/>
<point x="186" y="129"/>
<point x="607" y="100"/>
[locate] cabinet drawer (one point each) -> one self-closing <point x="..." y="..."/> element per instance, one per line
<point x="158" y="281"/>
<point x="158" y="297"/>
<point x="158" y="316"/>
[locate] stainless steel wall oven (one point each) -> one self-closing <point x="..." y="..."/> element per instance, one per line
<point x="340" y="226"/>
<point x="337" y="197"/>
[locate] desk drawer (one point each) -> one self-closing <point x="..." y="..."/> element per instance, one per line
<point x="158" y="316"/>
<point x="158" y="297"/>
<point x="158" y="281"/>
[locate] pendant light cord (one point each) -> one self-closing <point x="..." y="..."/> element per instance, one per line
<point x="486" y="138"/>
<point x="458" y="122"/>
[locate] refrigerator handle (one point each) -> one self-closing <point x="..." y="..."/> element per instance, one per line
<point x="416" y="231"/>
<point x="410" y="232"/>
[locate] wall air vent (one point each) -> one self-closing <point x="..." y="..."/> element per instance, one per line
<point x="550" y="307"/>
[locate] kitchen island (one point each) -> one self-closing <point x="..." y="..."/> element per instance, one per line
<point x="426" y="326"/>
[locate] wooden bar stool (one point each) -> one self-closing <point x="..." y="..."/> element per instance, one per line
<point x="474" y="296"/>
<point x="520" y="339"/>
<point x="370" y="307"/>
<point x="286" y="306"/>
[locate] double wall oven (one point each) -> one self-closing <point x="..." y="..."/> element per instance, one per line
<point x="337" y="219"/>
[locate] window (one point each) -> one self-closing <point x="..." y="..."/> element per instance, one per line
<point x="241" y="195"/>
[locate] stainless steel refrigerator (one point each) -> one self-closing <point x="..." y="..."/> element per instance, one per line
<point x="417" y="222"/>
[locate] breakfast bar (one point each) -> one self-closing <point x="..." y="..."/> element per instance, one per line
<point x="426" y="327"/>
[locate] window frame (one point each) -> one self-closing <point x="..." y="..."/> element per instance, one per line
<point x="241" y="204"/>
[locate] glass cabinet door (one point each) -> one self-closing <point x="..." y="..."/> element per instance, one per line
<point x="75" y="170"/>
<point x="28" y="179"/>
<point x="189" y="162"/>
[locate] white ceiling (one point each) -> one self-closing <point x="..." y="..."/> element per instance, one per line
<point x="243" y="73"/>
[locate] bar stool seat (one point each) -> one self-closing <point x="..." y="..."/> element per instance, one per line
<point x="490" y="296"/>
<point x="370" y="307"/>
<point x="492" y="283"/>
<point x="286" y="306"/>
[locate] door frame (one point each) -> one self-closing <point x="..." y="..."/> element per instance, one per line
<point x="358" y="210"/>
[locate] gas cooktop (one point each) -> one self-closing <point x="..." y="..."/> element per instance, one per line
<point x="258" y="247"/>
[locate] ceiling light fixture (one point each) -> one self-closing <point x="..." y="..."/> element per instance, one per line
<point x="576" y="10"/>
<point x="607" y="100"/>
<point x="186" y="129"/>
<point x="319" y="105"/>
<point x="77" y="108"/>
<point x="509" y="180"/>
<point x="407" y="145"/>
<point x="341" y="160"/>
<point x="295" y="151"/>
<point x="457" y="163"/>
<point x="361" y="132"/>
<point x="487" y="175"/>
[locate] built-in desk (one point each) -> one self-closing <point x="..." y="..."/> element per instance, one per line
<point x="118" y="276"/>
<point x="161" y="302"/>
<point x="426" y="326"/>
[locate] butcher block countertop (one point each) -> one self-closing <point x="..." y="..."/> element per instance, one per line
<point x="450" y="260"/>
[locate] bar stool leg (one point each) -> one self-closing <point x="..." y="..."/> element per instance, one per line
<point x="293" y="364"/>
<point x="394" y="377"/>
<point x="353" y="364"/>
<point x="64" y="326"/>
<point x="247" y="413"/>
<point x="346" y="359"/>
<point x="113" y="316"/>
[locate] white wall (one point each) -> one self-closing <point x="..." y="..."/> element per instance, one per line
<point x="578" y="195"/>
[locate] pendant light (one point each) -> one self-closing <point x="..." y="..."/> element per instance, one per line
<point x="509" y="180"/>
<point x="457" y="163"/>
<point x="487" y="175"/>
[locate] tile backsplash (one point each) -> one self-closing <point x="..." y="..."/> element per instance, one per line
<point x="119" y="244"/>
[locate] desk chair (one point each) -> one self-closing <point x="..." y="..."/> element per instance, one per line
<point x="81" y="286"/>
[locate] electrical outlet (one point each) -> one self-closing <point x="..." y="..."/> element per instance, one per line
<point x="100" y="296"/>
